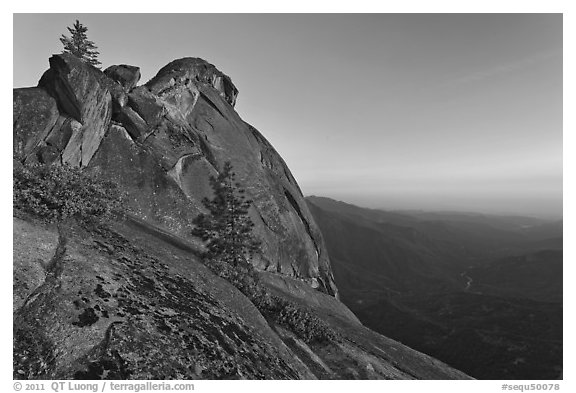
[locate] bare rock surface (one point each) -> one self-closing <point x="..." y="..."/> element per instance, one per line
<point x="127" y="301"/>
<point x="109" y="310"/>
<point x="126" y="75"/>
<point x="34" y="114"/>
<point x="162" y="141"/>
<point x="81" y="95"/>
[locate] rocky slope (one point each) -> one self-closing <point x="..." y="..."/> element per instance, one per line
<point x="128" y="302"/>
<point x="131" y="299"/>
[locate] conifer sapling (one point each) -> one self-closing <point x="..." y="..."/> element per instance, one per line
<point x="79" y="45"/>
<point x="227" y="227"/>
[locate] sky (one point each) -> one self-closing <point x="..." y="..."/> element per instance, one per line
<point x="455" y="112"/>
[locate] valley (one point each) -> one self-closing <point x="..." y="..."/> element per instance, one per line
<point x="481" y="293"/>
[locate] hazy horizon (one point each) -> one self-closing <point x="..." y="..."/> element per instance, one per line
<point x="390" y="206"/>
<point x="437" y="112"/>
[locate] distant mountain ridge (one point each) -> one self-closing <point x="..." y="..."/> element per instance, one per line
<point x="451" y="283"/>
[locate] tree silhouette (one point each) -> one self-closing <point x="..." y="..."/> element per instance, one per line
<point x="227" y="227"/>
<point x="79" y="45"/>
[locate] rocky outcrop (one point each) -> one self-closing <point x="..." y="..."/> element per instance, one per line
<point x="161" y="142"/>
<point x="34" y="114"/>
<point x="126" y="75"/>
<point x="81" y="96"/>
<point x="131" y="299"/>
<point x="189" y="70"/>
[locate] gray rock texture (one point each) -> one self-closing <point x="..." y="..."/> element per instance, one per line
<point x="128" y="302"/>
<point x="34" y="114"/>
<point x="161" y="141"/>
<point x="131" y="299"/>
<point x="80" y="93"/>
<point x="126" y="75"/>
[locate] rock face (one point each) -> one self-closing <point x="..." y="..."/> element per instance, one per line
<point x="131" y="299"/>
<point x="189" y="70"/>
<point x="82" y="97"/>
<point x="122" y="302"/>
<point x="103" y="309"/>
<point x="35" y="113"/>
<point x="161" y="141"/>
<point x="126" y="75"/>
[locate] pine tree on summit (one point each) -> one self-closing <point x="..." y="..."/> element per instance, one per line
<point x="79" y="45"/>
<point x="227" y="227"/>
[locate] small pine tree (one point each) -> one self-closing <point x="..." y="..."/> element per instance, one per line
<point x="227" y="227"/>
<point x="79" y="45"/>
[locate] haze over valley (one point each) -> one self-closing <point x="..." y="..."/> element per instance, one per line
<point x="444" y="283"/>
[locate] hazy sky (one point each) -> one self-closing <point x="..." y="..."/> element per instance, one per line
<point x="429" y="111"/>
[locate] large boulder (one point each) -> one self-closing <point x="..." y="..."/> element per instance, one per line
<point x="81" y="95"/>
<point x="65" y="118"/>
<point x="126" y="75"/>
<point x="192" y="69"/>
